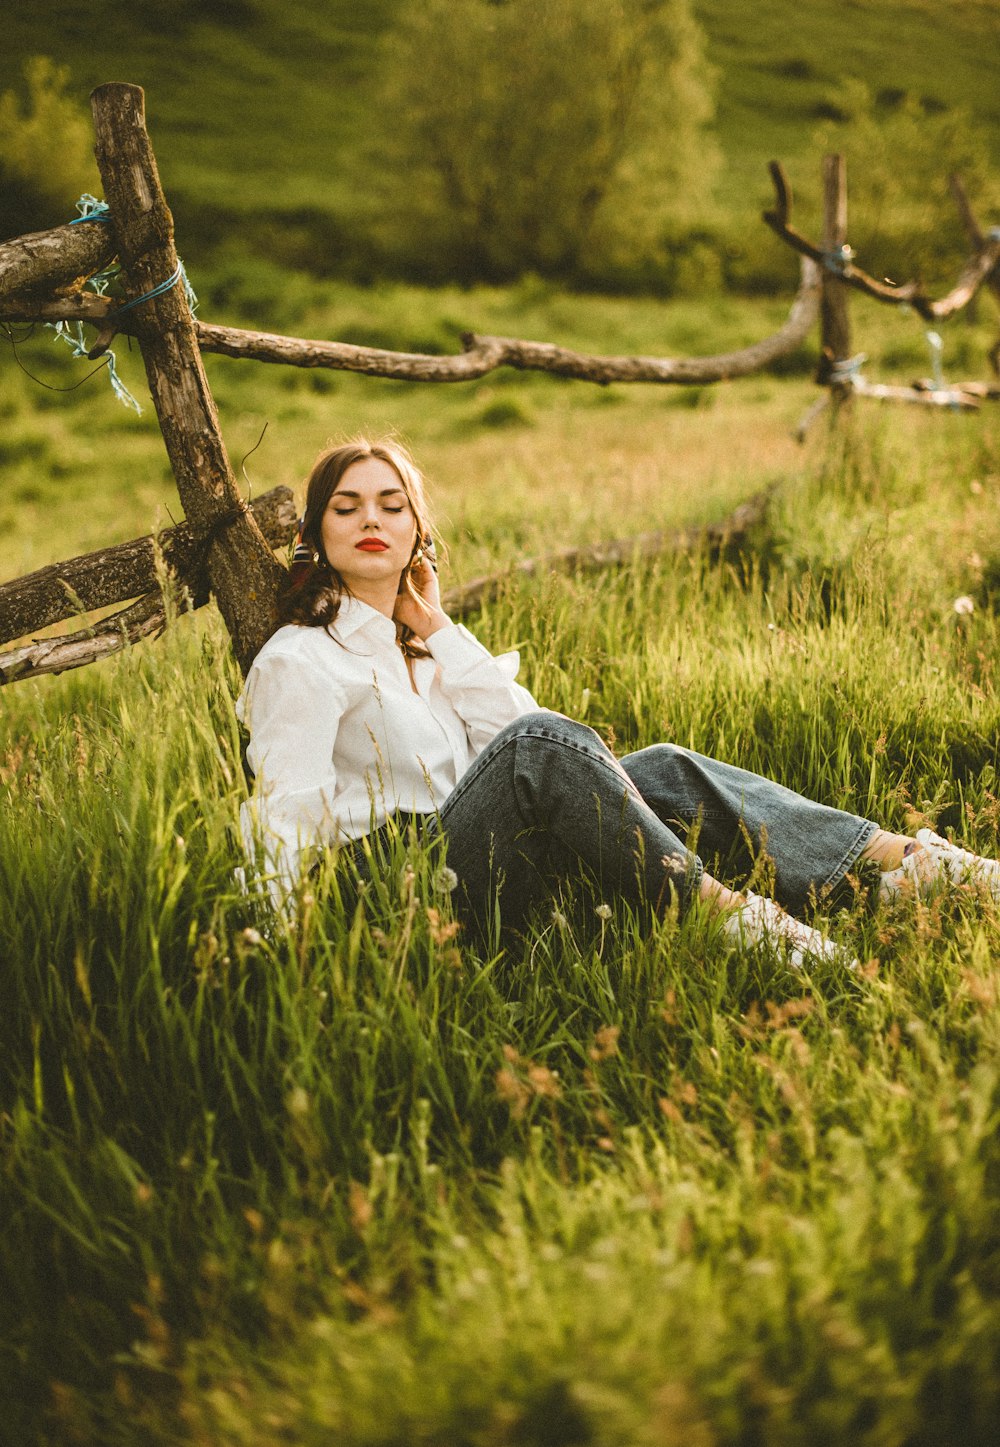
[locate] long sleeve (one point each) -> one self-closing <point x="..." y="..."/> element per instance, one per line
<point x="293" y="711"/>
<point x="481" y="687"/>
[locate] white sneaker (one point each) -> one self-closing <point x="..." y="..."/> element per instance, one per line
<point x="939" y="862"/>
<point x="762" y="922"/>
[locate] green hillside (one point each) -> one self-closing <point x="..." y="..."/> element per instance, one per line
<point x="780" y="61"/>
<point x="262" y="110"/>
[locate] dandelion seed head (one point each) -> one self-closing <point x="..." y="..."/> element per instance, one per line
<point x="603" y="911"/>
<point x="964" y="605"/>
<point x="446" y="880"/>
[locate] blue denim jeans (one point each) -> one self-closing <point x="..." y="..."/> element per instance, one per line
<point x="547" y="801"/>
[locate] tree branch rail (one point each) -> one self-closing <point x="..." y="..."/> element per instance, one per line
<point x="111" y="576"/>
<point x="976" y="271"/>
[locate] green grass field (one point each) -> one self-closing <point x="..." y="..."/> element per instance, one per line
<point x="343" y="1178"/>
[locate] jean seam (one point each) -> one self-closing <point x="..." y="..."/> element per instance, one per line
<point x="851" y="855"/>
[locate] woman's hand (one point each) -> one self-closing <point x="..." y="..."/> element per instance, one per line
<point x="427" y="619"/>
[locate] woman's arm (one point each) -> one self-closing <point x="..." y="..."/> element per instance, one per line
<point x="292" y="707"/>
<point x="480" y="687"/>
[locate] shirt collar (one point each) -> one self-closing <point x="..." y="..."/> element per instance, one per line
<point x="353" y="616"/>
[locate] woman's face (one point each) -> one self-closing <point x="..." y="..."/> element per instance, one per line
<point x="368" y="529"/>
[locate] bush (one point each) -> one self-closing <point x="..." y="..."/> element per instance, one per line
<point x="557" y="137"/>
<point x="46" y="156"/>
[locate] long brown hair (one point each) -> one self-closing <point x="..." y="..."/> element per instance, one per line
<point x="312" y="591"/>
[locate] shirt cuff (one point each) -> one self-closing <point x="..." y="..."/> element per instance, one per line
<point x="454" y="644"/>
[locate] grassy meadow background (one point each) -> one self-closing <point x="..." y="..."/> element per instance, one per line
<point x="340" y="1177"/>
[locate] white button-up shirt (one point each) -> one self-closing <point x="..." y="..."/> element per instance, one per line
<point x="340" y="738"/>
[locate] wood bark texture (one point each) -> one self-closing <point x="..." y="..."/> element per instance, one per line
<point x="482" y="354"/>
<point x="242" y="571"/>
<point x="977" y="240"/>
<point x="114" y="575"/>
<point x="955" y="399"/>
<point x="35" y="267"/>
<point x="56" y="655"/>
<point x="835" y="320"/>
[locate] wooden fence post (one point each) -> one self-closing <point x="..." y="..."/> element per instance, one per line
<point x="835" y="321"/>
<point x="242" y="570"/>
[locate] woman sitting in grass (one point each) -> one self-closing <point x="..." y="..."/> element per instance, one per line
<point x="369" y="709"/>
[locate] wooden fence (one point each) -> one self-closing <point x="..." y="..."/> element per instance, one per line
<point x="226" y="548"/>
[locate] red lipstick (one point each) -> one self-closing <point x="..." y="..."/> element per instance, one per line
<point x="372" y="545"/>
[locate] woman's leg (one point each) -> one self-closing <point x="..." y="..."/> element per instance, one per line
<point x="811" y="845"/>
<point x="547" y="800"/>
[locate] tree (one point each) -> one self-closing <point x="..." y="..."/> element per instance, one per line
<point x="546" y="135"/>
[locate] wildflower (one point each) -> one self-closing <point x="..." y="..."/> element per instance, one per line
<point x="440" y="932"/>
<point x="605" y="1042"/>
<point x="252" y="937"/>
<point x="603" y="911"/>
<point x="964" y="605"/>
<point x="359" y="1206"/>
<point x="513" y="1091"/>
<point x="673" y="861"/>
<point x="445" y="881"/>
<point x="544" y="1081"/>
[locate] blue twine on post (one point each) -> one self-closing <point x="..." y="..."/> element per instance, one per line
<point x="91" y="209"/>
<point x="847" y="371"/>
<point x="171" y="281"/>
<point x="839" y="259"/>
<point x="75" y="341"/>
<point x="178" y="274"/>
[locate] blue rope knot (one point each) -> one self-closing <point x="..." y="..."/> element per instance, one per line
<point x="91" y="209"/>
<point x="839" y="259"/>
